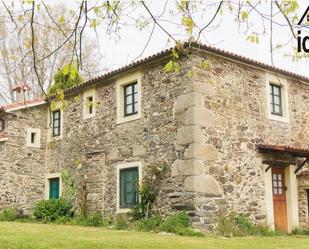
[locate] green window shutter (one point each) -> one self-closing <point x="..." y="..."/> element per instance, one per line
<point x="128" y="187"/>
<point x="54" y="188"/>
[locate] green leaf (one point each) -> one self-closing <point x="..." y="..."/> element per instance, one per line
<point x="244" y="15"/>
<point x="172" y="66"/>
<point x="61" y="20"/>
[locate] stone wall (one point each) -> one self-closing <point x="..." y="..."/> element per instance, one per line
<point x="204" y="128"/>
<point x="226" y="120"/>
<point x="22" y="169"/>
<point x="303" y="187"/>
<point x="92" y="148"/>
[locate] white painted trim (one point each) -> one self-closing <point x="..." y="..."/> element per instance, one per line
<point x="89" y="93"/>
<point x="269" y="204"/>
<point x="121" y="82"/>
<point x="139" y="165"/>
<point x="291" y="198"/>
<point x="49" y="129"/>
<point x="25" y="106"/>
<point x="37" y="142"/>
<point x="273" y="79"/>
<point x="3" y="139"/>
<point x="50" y="176"/>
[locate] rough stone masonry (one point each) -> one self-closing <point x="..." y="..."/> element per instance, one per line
<point x="204" y="127"/>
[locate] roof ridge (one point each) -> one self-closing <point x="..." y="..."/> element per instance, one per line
<point x="196" y="45"/>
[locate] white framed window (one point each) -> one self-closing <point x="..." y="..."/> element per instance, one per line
<point x="277" y="98"/>
<point x="33" y="137"/>
<point x="53" y="186"/>
<point x="89" y="104"/>
<point x="129" y="99"/>
<point x="55" y="122"/>
<point x="129" y="178"/>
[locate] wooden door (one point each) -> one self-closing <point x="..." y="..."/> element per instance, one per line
<point x="279" y="199"/>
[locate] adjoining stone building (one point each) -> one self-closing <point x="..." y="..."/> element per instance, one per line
<point x="234" y="137"/>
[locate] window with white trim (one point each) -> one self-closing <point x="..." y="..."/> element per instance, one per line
<point x="89" y="105"/>
<point x="277" y="98"/>
<point x="53" y="186"/>
<point x="129" y="177"/>
<point x="56" y="123"/>
<point x="129" y="98"/>
<point x="33" y="138"/>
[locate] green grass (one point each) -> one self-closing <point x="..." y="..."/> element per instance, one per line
<point x="15" y="235"/>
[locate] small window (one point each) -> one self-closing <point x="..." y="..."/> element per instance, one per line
<point x="130" y="99"/>
<point x="33" y="137"/>
<point x="276" y="99"/>
<point x="128" y="187"/>
<point x="1" y="125"/>
<point x="54" y="188"/>
<point x="89" y="104"/>
<point x="56" y="123"/>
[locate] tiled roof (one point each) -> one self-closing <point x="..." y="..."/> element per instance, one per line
<point x="195" y="47"/>
<point x="18" y="104"/>
<point x="301" y="152"/>
<point x="23" y="86"/>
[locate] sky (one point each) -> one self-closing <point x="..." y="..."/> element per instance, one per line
<point x="226" y="36"/>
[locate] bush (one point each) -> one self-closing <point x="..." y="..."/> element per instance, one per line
<point x="171" y="223"/>
<point x="179" y="224"/>
<point x="51" y="210"/>
<point x="239" y="225"/>
<point x="121" y="222"/>
<point x="147" y="225"/>
<point x="8" y="214"/>
<point x="300" y="231"/>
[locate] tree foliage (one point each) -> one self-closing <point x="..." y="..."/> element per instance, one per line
<point x="47" y="33"/>
<point x="66" y="77"/>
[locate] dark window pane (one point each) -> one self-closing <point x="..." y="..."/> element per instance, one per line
<point x="32" y="137"/>
<point x="129" y="109"/>
<point x="56" y="123"/>
<point x="130" y="98"/>
<point x="128" y="89"/>
<point x="128" y="187"/>
<point x="54" y="188"/>
<point x="275" y="99"/>
<point x="90" y="104"/>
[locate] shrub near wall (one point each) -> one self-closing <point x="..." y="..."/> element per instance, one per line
<point x="8" y="214"/>
<point x="51" y="210"/>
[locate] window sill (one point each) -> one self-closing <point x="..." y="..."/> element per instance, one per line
<point x="123" y="210"/>
<point x="121" y="120"/>
<point x="33" y="146"/>
<point x="278" y="118"/>
<point x="88" y="116"/>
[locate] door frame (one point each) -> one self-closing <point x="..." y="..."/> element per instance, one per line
<point x="278" y="177"/>
<point x="291" y="196"/>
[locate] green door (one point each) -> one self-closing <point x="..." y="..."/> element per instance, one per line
<point x="128" y="187"/>
<point x="54" y="188"/>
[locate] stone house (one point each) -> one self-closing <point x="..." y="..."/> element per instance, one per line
<point x="233" y="137"/>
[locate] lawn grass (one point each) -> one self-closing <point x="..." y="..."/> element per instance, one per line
<point x="15" y="235"/>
